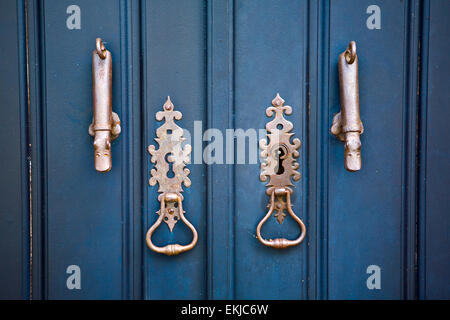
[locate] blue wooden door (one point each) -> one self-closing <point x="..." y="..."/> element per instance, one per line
<point x="379" y="219"/>
<point x="74" y="233"/>
<point x="83" y="222"/>
<point x="375" y="205"/>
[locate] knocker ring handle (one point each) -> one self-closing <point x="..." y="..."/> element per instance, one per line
<point x="281" y="243"/>
<point x="171" y="249"/>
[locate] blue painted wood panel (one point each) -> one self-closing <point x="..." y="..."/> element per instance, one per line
<point x="14" y="181"/>
<point x="434" y="253"/>
<point x="366" y="208"/>
<point x="269" y="58"/>
<point x="84" y="214"/>
<point x="174" y="65"/>
<point x="220" y="115"/>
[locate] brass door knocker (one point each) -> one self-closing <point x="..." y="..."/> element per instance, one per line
<point x="105" y="125"/>
<point x="279" y="166"/>
<point x="347" y="125"/>
<point x="170" y="154"/>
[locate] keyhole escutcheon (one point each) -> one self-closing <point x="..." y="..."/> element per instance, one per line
<point x="280" y="155"/>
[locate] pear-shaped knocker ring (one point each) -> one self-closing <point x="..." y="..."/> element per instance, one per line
<point x="280" y="166"/>
<point x="170" y="138"/>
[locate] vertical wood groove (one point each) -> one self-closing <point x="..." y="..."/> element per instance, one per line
<point x="145" y="126"/>
<point x="25" y="149"/>
<point x="409" y="165"/>
<point x="131" y="149"/>
<point x="422" y="149"/>
<point x="220" y="178"/>
<point x="126" y="148"/>
<point x="305" y="154"/>
<point x="38" y="152"/>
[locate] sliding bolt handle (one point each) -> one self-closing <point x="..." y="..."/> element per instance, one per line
<point x="347" y="125"/>
<point x="105" y="125"/>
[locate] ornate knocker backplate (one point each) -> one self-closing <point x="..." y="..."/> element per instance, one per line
<point x="279" y="166"/>
<point x="170" y="154"/>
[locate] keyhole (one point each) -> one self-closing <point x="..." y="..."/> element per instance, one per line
<point x="170" y="173"/>
<point x="280" y="153"/>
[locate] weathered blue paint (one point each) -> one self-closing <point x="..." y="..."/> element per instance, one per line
<point x="220" y="193"/>
<point x="269" y="58"/>
<point x="85" y="215"/>
<point x="366" y="209"/>
<point x="222" y="62"/>
<point x="434" y="254"/>
<point x="174" y="65"/>
<point x="14" y="181"/>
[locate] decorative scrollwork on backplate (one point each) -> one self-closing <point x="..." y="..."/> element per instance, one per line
<point x="279" y="166"/>
<point x="170" y="159"/>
